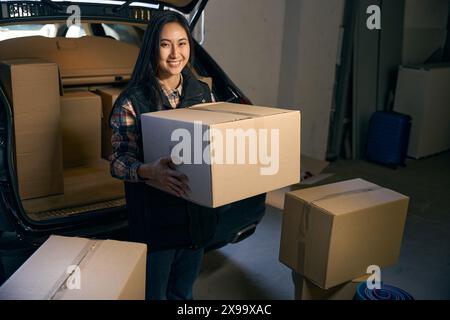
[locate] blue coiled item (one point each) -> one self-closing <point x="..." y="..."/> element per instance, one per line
<point x="385" y="293"/>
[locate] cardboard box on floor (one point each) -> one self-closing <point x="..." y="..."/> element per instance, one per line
<point x="226" y="180"/>
<point x="81" y="128"/>
<point x="108" y="96"/>
<point x="311" y="173"/>
<point x="66" y="268"/>
<point x="32" y="87"/>
<point x="332" y="233"/>
<point x="306" y="290"/>
<point x="422" y="92"/>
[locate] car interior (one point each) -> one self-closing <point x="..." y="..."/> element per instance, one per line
<point x="92" y="69"/>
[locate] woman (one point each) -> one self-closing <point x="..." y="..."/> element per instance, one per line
<point x="174" y="229"/>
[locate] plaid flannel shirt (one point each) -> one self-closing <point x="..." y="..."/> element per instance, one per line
<point x="126" y="152"/>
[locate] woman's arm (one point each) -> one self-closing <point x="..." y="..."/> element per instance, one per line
<point x="124" y="163"/>
<point x="124" y="160"/>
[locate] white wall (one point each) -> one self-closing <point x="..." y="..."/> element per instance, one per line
<point x="308" y="66"/>
<point x="245" y="38"/>
<point x="281" y="53"/>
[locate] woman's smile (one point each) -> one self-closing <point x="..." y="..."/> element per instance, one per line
<point x="174" y="64"/>
<point x="174" y="53"/>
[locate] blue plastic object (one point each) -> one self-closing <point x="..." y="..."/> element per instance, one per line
<point x="386" y="292"/>
<point x="388" y="137"/>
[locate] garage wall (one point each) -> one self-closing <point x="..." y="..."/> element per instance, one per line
<point x="310" y="53"/>
<point x="281" y="53"/>
<point x="245" y="38"/>
<point x="425" y="29"/>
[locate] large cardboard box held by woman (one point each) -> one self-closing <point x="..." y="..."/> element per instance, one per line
<point x="228" y="151"/>
<point x="331" y="234"/>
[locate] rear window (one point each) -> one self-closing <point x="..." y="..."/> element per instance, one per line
<point x="27" y="30"/>
<point x="121" y="32"/>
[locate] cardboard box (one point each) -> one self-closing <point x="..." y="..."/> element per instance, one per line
<point x="306" y="290"/>
<point x="422" y="93"/>
<point x="332" y="233"/>
<point x="234" y="152"/>
<point x="81" y="127"/>
<point x="108" y="96"/>
<point x="311" y="173"/>
<point x="66" y="268"/>
<point x="32" y="87"/>
<point x="82" y="61"/>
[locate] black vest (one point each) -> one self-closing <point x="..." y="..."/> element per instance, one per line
<point x="157" y="218"/>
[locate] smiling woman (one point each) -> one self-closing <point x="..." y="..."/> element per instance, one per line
<point x="174" y="53"/>
<point x="174" y="229"/>
<point x="91" y="71"/>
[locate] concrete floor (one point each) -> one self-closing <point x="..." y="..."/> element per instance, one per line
<point x="251" y="270"/>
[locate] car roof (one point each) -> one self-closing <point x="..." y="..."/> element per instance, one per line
<point x="185" y="6"/>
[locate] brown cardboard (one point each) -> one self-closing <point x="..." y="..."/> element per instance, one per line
<point x="332" y="233"/>
<point x="306" y="290"/>
<point x="218" y="183"/>
<point x="90" y="187"/>
<point x="32" y="87"/>
<point x="85" y="60"/>
<point x="311" y="173"/>
<point x="103" y="270"/>
<point x="108" y="96"/>
<point x="422" y="92"/>
<point x="81" y="127"/>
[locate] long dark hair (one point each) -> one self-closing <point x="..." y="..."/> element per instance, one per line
<point x="144" y="73"/>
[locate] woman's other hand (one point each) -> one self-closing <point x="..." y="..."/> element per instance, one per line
<point x="163" y="172"/>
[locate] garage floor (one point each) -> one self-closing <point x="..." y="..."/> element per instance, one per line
<point x="251" y="270"/>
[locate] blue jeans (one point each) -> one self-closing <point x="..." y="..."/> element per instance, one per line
<point x="171" y="274"/>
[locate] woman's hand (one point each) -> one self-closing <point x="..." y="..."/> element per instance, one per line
<point x="163" y="172"/>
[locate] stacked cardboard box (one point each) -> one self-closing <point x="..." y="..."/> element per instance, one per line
<point x="306" y="290"/>
<point x="66" y="268"/>
<point x="228" y="151"/>
<point x="32" y="88"/>
<point x="422" y="92"/>
<point x="108" y="96"/>
<point x="80" y="120"/>
<point x="331" y="234"/>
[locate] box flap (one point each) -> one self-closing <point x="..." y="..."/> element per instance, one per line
<point x="50" y="261"/>
<point x="240" y="109"/>
<point x="104" y="275"/>
<point x="26" y="61"/>
<point x="316" y="193"/>
<point x="359" y="200"/>
<point x="192" y="115"/>
<point x="216" y="113"/>
<point x="101" y="269"/>
<point x="114" y="92"/>
<point x="79" y="94"/>
<point x="348" y="196"/>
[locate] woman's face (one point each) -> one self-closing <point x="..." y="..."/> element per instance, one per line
<point x="174" y="50"/>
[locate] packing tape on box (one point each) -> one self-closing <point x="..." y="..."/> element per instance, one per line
<point x="386" y="292"/>
<point x="248" y="115"/>
<point x="77" y="264"/>
<point x="306" y="210"/>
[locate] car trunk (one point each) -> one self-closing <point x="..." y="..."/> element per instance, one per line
<point x="60" y="96"/>
<point x="59" y="93"/>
